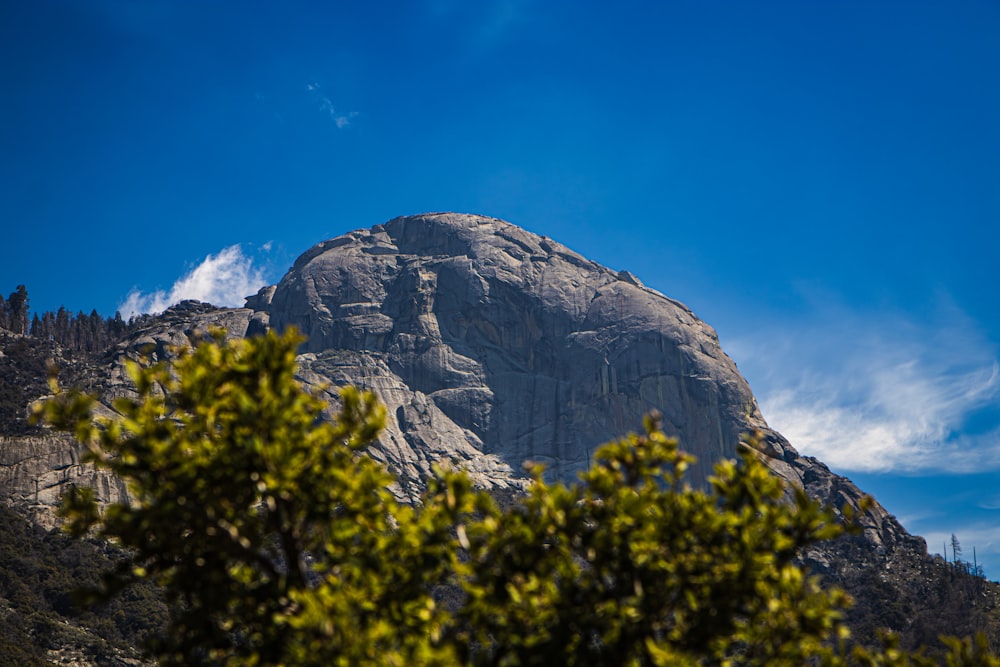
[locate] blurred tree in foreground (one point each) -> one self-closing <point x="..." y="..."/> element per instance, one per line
<point x="278" y="542"/>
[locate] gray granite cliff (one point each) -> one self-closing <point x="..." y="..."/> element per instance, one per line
<point x="480" y="334"/>
<point x="490" y="346"/>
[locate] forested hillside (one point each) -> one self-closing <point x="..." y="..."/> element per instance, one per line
<point x="41" y="620"/>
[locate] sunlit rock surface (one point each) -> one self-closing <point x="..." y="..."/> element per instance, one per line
<point x="491" y="347"/>
<point x="479" y="334"/>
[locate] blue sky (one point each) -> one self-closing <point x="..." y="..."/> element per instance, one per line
<point x="820" y="181"/>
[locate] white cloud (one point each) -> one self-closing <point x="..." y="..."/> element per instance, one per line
<point x="224" y="279"/>
<point x="339" y="118"/>
<point x="876" y="393"/>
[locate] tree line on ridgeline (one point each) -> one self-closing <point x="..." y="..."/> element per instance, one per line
<point x="70" y="342"/>
<point x="80" y="332"/>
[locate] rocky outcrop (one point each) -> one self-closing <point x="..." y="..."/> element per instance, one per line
<point x="37" y="465"/>
<point x="478" y="333"/>
<point x="493" y="346"/>
<point x="490" y="346"/>
<point x="35" y="470"/>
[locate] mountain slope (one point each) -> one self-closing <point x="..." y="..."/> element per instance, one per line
<point x="492" y="346"/>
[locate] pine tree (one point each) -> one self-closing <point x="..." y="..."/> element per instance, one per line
<point x="62" y="326"/>
<point x="49" y="323"/>
<point x="17" y="306"/>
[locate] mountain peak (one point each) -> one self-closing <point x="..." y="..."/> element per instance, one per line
<point x="517" y="346"/>
<point x="491" y="347"/>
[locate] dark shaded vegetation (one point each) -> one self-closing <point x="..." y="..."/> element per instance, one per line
<point x="916" y="596"/>
<point x="25" y="362"/>
<point x="41" y="573"/>
<point x="75" y="345"/>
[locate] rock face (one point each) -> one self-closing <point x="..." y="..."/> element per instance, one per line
<point x="473" y="329"/>
<point x="493" y="346"/>
<point x="490" y="346"/>
<point x="35" y="470"/>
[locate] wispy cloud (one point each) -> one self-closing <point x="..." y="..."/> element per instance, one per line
<point x="876" y="393"/>
<point x="224" y="279"/>
<point x="339" y="118"/>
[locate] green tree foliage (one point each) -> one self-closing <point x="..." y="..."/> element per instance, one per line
<point x="273" y="537"/>
<point x="630" y="565"/>
<point x="278" y="542"/>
